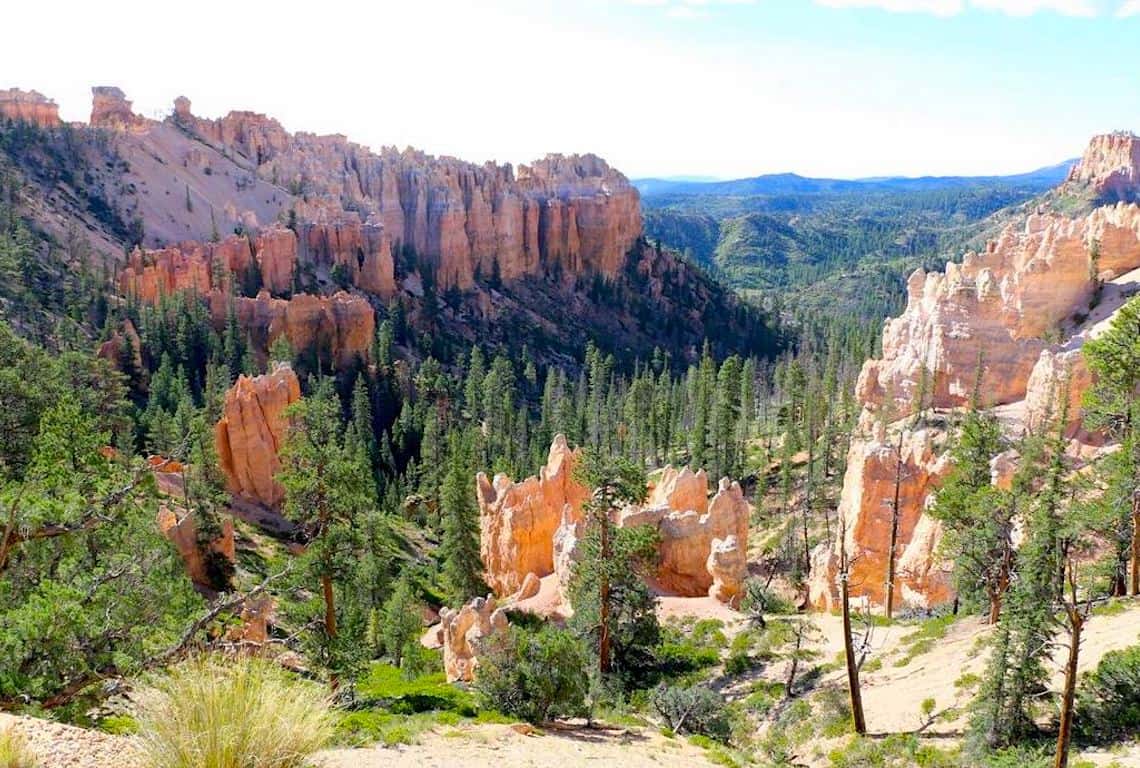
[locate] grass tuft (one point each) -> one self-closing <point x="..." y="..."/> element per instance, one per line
<point x="231" y="713"/>
<point x="14" y="750"/>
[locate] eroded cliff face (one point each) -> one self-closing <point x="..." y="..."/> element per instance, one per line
<point x="1000" y="307"/>
<point x="570" y="214"/>
<point x="252" y="430"/>
<point x="1111" y="166"/>
<point x="1010" y="323"/>
<point x="28" y="107"/>
<point x="866" y="508"/>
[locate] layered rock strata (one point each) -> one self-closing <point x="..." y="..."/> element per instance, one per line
<point x="29" y="107"/>
<point x="568" y="214"/>
<point x="991" y="325"/>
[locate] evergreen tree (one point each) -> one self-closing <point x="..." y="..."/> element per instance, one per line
<point x="327" y="490"/>
<point x="462" y="570"/>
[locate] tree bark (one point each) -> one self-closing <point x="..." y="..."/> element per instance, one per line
<point x="1064" y="734"/>
<point x="890" y="598"/>
<point x="848" y="645"/>
<point x="605" y="663"/>
<point x="1136" y="542"/>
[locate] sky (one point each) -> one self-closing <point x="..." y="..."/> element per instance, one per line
<point x="723" y="88"/>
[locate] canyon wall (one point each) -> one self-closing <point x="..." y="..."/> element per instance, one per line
<point x="1111" y="166"/>
<point x="29" y="107"/>
<point x="1007" y="323"/>
<point x="569" y="214"/>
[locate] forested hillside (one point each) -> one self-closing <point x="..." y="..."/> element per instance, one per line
<point x="839" y="245"/>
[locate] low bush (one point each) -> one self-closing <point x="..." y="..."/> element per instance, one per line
<point x="535" y="676"/>
<point x="386" y="686"/>
<point x="1108" y="700"/>
<point x="697" y="710"/>
<point x="14" y="750"/>
<point x="231" y="713"/>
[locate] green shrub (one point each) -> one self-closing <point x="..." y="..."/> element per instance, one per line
<point x="759" y="601"/>
<point x="386" y="686"/>
<point x="695" y="710"/>
<point x="681" y="656"/>
<point x="231" y="713"/>
<point x="895" y="751"/>
<point x="119" y="725"/>
<point x="738" y="663"/>
<point x="710" y="633"/>
<point x="14" y="750"/>
<point x="1108" y="700"/>
<point x="534" y="675"/>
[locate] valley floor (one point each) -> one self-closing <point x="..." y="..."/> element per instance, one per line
<point x="908" y="665"/>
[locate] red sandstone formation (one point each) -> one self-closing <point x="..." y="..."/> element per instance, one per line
<point x="1004" y="308"/>
<point x="518" y="520"/>
<point x="571" y="213"/>
<point x="532" y="528"/>
<point x="251" y="431"/>
<point x="865" y="511"/>
<point x="111" y="109"/>
<point x="363" y="251"/>
<point x="276" y="252"/>
<point x="338" y="327"/>
<point x="703" y="544"/>
<point x="28" y="107"/>
<point x="1111" y="166"/>
<point x="182" y="531"/>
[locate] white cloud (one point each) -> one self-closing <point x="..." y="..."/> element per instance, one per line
<point x="1019" y="8"/>
<point x="1128" y="8"/>
<point x="1086" y="8"/>
<point x="686" y="12"/>
<point x="934" y="7"/>
<point x="688" y="9"/>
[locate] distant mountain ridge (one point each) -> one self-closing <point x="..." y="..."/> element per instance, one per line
<point x="795" y="184"/>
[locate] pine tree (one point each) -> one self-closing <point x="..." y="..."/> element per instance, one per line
<point x="462" y="570"/>
<point x="327" y="489"/>
<point x="613" y="607"/>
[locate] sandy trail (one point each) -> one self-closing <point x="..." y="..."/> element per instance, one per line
<point x="500" y="746"/>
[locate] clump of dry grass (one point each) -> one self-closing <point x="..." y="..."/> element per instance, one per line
<point x="14" y="750"/>
<point x="231" y="713"/>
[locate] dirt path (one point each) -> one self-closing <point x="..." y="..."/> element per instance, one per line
<point x="500" y="746"/>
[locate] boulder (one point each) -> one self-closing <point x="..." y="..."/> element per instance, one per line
<point x="252" y="430"/>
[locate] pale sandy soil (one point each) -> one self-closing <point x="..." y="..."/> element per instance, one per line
<point x="499" y="746"/>
<point x="61" y="746"/>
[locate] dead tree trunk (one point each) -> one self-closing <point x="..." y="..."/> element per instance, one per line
<point x="853" y="687"/>
<point x="890" y="598"/>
